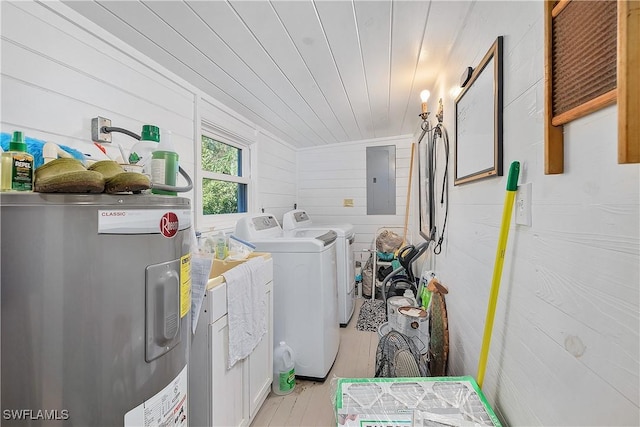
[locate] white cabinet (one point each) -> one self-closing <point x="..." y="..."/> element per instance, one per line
<point x="229" y="405"/>
<point x="260" y="363"/>
<point x="239" y="392"/>
<point x="227" y="397"/>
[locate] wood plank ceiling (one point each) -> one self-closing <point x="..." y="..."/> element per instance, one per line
<point x="310" y="72"/>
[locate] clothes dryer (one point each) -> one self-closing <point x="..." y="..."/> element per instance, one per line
<point x="305" y="297"/>
<point x="297" y="220"/>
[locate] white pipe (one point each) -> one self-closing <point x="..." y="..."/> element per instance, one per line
<point x="51" y="151"/>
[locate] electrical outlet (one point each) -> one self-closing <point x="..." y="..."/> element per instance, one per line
<point x="347" y="203"/>
<point x="97" y="123"/>
<point x="523" y="204"/>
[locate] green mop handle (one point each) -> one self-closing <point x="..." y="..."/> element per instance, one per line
<point x="512" y="187"/>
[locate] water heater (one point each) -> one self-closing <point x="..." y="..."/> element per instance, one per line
<point x="95" y="303"/>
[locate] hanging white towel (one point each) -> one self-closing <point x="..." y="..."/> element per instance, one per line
<point x="246" y="307"/>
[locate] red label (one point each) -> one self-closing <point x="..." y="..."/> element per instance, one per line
<point x="169" y="224"/>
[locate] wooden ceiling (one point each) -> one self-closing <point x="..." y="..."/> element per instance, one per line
<point x="310" y="72"/>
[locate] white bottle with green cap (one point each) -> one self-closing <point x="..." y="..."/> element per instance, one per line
<point x="141" y="151"/>
<point x="17" y="166"/>
<point x="284" y="369"/>
<point x="164" y="165"/>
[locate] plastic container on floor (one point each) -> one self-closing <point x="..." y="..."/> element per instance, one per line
<point x="284" y="373"/>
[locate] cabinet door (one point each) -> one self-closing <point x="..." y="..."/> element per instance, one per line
<point x="228" y="387"/>
<point x="261" y="362"/>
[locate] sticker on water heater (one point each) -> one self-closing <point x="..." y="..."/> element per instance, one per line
<point x="143" y="221"/>
<point x="167" y="408"/>
<point x="185" y="285"/>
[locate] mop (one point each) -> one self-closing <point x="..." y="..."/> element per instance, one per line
<point x="512" y="186"/>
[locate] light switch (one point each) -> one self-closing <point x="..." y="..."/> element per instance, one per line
<point x="523" y="205"/>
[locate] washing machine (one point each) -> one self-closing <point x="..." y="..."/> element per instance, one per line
<point x="297" y="220"/>
<point x="305" y="295"/>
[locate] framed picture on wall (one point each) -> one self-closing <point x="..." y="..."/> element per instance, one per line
<point x="478" y="115"/>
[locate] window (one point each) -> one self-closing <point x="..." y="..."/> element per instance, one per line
<point x="224" y="177"/>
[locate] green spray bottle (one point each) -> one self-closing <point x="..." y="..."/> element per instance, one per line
<point x="17" y="166"/>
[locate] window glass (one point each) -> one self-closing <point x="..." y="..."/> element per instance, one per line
<point x="224" y="186"/>
<point x="223" y="197"/>
<point x="222" y="158"/>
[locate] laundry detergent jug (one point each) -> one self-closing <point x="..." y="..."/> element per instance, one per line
<point x="284" y="373"/>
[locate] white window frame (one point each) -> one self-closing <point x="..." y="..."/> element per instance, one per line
<point x="221" y="222"/>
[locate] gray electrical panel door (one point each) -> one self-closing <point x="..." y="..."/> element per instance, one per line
<point x="381" y="180"/>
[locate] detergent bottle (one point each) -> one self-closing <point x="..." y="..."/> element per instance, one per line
<point x="164" y="165"/>
<point x="424" y="294"/>
<point x="221" y="250"/>
<point x="141" y="151"/>
<point x="284" y="373"/>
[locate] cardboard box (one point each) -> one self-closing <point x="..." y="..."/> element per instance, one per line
<point x="219" y="267"/>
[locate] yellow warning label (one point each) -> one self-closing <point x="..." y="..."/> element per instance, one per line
<point x="185" y="285"/>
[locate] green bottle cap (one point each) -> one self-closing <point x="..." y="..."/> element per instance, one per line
<point x="17" y="142"/>
<point x="150" y="133"/>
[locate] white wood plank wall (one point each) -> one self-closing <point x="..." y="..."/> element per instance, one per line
<point x="59" y="71"/>
<point x="565" y="344"/>
<point x="276" y="171"/>
<point x="328" y="175"/>
<point x="56" y="77"/>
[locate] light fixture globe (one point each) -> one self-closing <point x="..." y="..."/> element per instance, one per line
<point x="424" y="96"/>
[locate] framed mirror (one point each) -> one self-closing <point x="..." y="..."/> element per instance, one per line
<point x="478" y="115"/>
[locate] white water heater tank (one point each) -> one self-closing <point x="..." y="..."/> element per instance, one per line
<point x="95" y="316"/>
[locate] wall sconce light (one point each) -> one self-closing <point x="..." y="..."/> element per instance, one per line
<point x="438" y="131"/>
<point x="424" y="115"/>
<point x="424" y="96"/>
<point x="440" y="111"/>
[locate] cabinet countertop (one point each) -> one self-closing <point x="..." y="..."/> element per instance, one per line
<point x="224" y="266"/>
